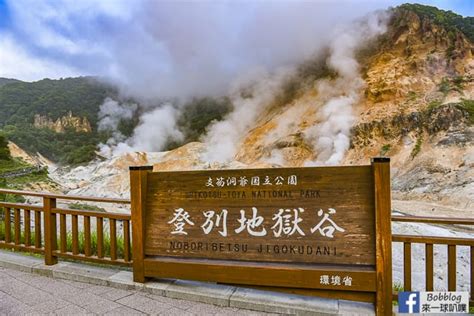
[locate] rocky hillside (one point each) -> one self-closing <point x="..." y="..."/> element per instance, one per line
<point x="419" y="110"/>
<point x="412" y="100"/>
<point x="416" y="108"/>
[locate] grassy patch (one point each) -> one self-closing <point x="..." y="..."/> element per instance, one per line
<point x="12" y="165"/>
<point x="20" y="181"/>
<point x="416" y="150"/>
<point x="444" y="86"/>
<point x="398" y="287"/>
<point x="412" y="95"/>
<point x="468" y="105"/>
<point x="12" y="198"/>
<point x="12" y="233"/>
<point x="94" y="241"/>
<point x="81" y="240"/>
<point x="459" y="81"/>
<point x="434" y="104"/>
<point x="385" y="149"/>
<point x="86" y="207"/>
<point x="453" y="84"/>
<point x="2" y="230"/>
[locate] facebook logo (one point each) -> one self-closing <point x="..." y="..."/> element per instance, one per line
<point x="409" y="302"/>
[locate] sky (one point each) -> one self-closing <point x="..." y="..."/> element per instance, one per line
<point x="194" y="47"/>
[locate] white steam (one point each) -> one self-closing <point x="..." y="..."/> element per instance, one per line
<point x="331" y="136"/>
<point x="223" y="138"/>
<point x="335" y="100"/>
<point x="154" y="130"/>
<point x="111" y="113"/>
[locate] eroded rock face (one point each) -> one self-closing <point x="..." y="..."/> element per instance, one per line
<point x="35" y="160"/>
<point x="61" y="124"/>
<point x="410" y="110"/>
<point x="443" y="118"/>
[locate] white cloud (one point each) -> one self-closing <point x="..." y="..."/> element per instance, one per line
<point x="16" y="62"/>
<point x="166" y="49"/>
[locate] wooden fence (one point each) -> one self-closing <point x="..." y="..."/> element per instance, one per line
<point x="35" y="229"/>
<point x="429" y="242"/>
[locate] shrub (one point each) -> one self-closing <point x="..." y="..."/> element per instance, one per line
<point x="81" y="240"/>
<point x="412" y="95"/>
<point x="85" y="206"/>
<point x="385" y="149"/>
<point x="434" y="104"/>
<point x="468" y="105"/>
<point x="444" y="86"/>
<point x="4" y="150"/>
<point x="416" y="150"/>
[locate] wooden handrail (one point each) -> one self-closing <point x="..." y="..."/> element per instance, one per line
<point x="433" y="240"/>
<point x="22" y="206"/>
<point x="19" y="234"/>
<point x="33" y="241"/>
<point x="66" y="211"/>
<point x="433" y="220"/>
<point x="429" y="241"/>
<point x="65" y="197"/>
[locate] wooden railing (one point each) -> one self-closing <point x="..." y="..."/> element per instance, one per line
<point x="11" y="236"/>
<point x="429" y="242"/>
<point x="35" y="229"/>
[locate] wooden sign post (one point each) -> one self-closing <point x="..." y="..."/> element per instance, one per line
<point x="321" y="231"/>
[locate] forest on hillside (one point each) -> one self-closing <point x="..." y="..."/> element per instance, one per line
<point x="20" y="101"/>
<point x="447" y="19"/>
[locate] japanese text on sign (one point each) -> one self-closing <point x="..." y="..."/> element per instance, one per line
<point x="286" y="222"/>
<point x="243" y="181"/>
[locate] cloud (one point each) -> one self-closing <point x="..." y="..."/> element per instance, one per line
<point x="167" y="49"/>
<point x="18" y="63"/>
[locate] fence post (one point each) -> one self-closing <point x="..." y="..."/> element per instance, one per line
<point x="383" y="238"/>
<point x="138" y="184"/>
<point x="50" y="233"/>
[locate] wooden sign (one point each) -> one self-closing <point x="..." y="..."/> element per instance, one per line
<point x="318" y="231"/>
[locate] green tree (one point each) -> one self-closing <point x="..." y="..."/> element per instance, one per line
<point x="4" y="150"/>
<point x="451" y="21"/>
